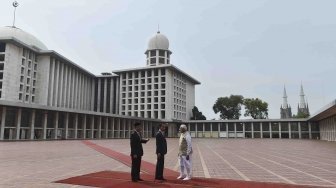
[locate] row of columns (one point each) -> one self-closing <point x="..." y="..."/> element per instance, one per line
<point x="69" y="87"/>
<point x="113" y="96"/>
<point x="101" y="125"/>
<point x="328" y="129"/>
<point x="270" y="131"/>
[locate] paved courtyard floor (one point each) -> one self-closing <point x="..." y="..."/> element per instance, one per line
<point x="302" y="162"/>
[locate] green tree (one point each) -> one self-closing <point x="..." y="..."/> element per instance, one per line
<point x="197" y="115"/>
<point x="301" y="115"/>
<point x="256" y="108"/>
<point x="229" y="107"/>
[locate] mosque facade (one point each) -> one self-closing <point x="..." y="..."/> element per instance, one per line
<point x="44" y="95"/>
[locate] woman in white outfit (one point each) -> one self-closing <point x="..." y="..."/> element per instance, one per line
<point x="185" y="152"/>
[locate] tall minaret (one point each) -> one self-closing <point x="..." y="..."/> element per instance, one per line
<point x="303" y="110"/>
<point x="285" y="109"/>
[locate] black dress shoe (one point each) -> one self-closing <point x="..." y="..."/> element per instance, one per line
<point x="140" y="179"/>
<point x="134" y="180"/>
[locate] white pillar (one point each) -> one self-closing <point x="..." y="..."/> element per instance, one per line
<point x="227" y="130"/>
<point x="310" y="131"/>
<point x="300" y="134"/>
<point x="93" y="86"/>
<point x="279" y="130"/>
<point x="105" y="94"/>
<point x="243" y="130"/>
<point x="235" y="129"/>
<point x="32" y="124"/>
<point x="55" y="125"/>
<point x="210" y="130"/>
<point x="111" y="96"/>
<point x="56" y="83"/>
<point x="252" y="129"/>
<point x="3" y="121"/>
<point x="98" y="93"/>
<point x="92" y="126"/>
<point x="51" y="84"/>
<point x="270" y="129"/>
<point x="261" y="131"/>
<point x="66" y="125"/>
<point x="84" y="126"/>
<point x="76" y="126"/>
<point x="289" y="130"/>
<point x="113" y="129"/>
<point x="18" y="123"/>
<point x="106" y="127"/>
<point x="45" y="121"/>
<point x="99" y="127"/>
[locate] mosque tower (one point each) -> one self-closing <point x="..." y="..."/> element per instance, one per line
<point x="285" y="109"/>
<point x="158" y="52"/>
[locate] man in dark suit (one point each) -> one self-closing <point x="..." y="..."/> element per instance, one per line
<point x="161" y="150"/>
<point x="136" y="151"/>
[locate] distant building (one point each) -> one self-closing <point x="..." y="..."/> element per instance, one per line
<point x="285" y="109"/>
<point x="303" y="108"/>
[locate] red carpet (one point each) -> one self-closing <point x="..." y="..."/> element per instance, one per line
<point x="146" y="167"/>
<point x="109" y="179"/>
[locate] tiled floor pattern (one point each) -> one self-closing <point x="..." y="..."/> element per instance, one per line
<point x="38" y="164"/>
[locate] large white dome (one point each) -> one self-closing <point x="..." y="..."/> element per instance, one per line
<point x="159" y="41"/>
<point x="22" y="36"/>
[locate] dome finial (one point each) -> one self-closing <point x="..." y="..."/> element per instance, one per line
<point x="158" y="28"/>
<point x="15" y="4"/>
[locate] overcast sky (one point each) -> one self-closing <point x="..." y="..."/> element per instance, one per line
<point x="246" y="47"/>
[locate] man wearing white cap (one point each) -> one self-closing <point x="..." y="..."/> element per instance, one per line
<point x="185" y="152"/>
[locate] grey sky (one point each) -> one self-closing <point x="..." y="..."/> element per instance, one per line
<point x="246" y="47"/>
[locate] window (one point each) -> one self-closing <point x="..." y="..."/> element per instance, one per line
<point x="2" y="47"/>
<point x="161" y="60"/>
<point x="1" y="66"/>
<point x="33" y="91"/>
<point x="35" y="66"/>
<point x="23" y="62"/>
<point x="27" y="97"/>
<point x="2" y="57"/>
<point x="1" y="75"/>
<point x="20" y="96"/>
<point x="162" y="53"/>
<point x="163" y="72"/>
<point x="27" y="89"/>
<point x="153" y="53"/>
<point x="29" y="64"/>
<point x="152" y="60"/>
<point x="22" y="70"/>
<point x="28" y="80"/>
<point x="33" y="99"/>
<point x="24" y="52"/>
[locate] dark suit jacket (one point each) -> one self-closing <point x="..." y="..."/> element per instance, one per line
<point x="136" y="144"/>
<point x="161" y="143"/>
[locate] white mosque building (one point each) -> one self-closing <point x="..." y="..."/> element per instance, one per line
<point x="44" y="95"/>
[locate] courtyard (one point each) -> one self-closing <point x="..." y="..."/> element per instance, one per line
<point x="297" y="162"/>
